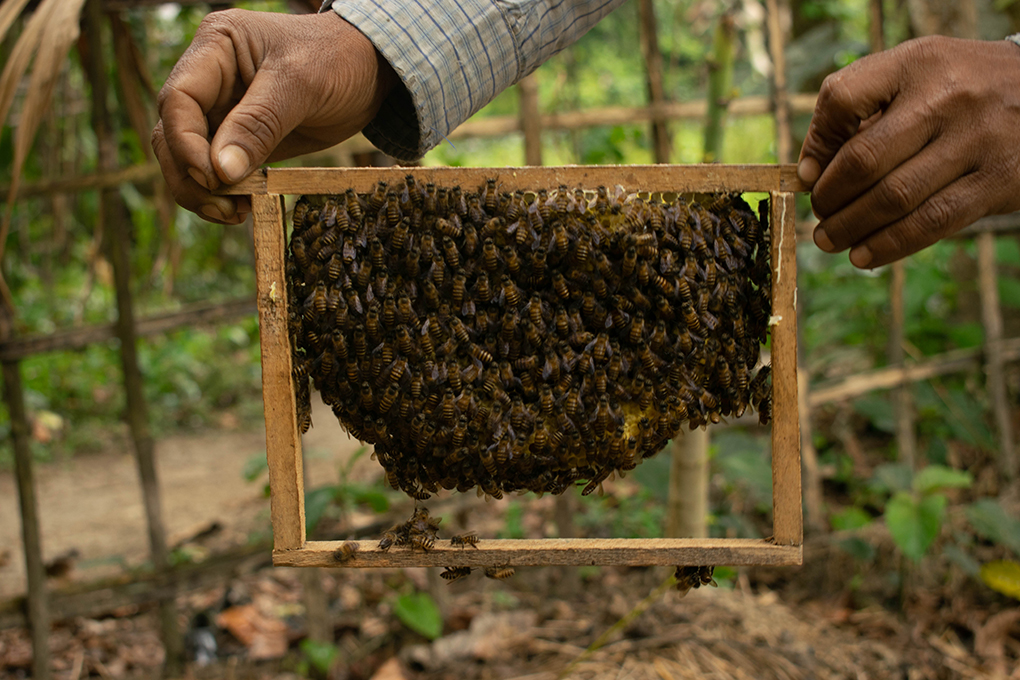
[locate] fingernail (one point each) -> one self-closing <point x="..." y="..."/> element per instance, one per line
<point x="213" y="212"/>
<point x="234" y="162"/>
<point x="808" y="170"/>
<point x="860" y="256"/>
<point x="199" y="177"/>
<point x="219" y="208"/>
<point x="823" y="241"/>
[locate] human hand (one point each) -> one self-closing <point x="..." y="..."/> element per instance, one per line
<point x="256" y="87"/>
<point x="911" y="145"/>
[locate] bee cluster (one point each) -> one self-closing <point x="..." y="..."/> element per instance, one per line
<point x="513" y="341"/>
<point x="419" y="532"/>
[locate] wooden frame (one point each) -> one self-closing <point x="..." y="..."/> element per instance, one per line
<point x="283" y="439"/>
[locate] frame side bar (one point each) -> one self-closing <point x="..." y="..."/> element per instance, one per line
<point x="705" y="177"/>
<point x="551" y="552"/>
<point x="283" y="441"/>
<point x="788" y="520"/>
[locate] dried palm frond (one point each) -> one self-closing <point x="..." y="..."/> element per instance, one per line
<point x="47" y="37"/>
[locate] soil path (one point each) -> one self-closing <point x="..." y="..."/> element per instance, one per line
<point x="93" y="503"/>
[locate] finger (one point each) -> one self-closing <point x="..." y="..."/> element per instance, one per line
<point x="202" y="80"/>
<point x="942" y="214"/>
<point x="268" y="112"/>
<point x="895" y="196"/>
<point x="846" y="97"/>
<point x="869" y="156"/>
<point x="191" y="195"/>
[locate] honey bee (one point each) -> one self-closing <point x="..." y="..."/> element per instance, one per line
<point x="509" y="294"/>
<point x="451" y="574"/>
<point x="693" y="577"/>
<point x="501" y="573"/>
<point x="346" y="552"/>
<point x="465" y="540"/>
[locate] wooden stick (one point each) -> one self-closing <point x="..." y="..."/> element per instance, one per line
<point x="553" y="552"/>
<point x="649" y="39"/>
<point x="38" y="593"/>
<point x="283" y="441"/>
<point x="788" y="521"/>
<point x="991" y="317"/>
<point x="704" y="177"/>
<point x="904" y="403"/>
<point x="954" y="361"/>
<point x="530" y="120"/>
<point x="76" y="338"/>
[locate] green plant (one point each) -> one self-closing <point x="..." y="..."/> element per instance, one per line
<point x="419" y="612"/>
<point x="915" y="512"/>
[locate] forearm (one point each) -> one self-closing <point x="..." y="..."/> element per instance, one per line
<point x="455" y="56"/>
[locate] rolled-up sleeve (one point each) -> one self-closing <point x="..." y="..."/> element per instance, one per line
<point x="454" y="56"/>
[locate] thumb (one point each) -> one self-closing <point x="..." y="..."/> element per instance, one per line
<point x="846" y="98"/>
<point x="252" y="130"/>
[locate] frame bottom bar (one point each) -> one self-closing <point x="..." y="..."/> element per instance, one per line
<point x="633" y="552"/>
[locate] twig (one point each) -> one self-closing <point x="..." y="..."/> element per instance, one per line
<point x="637" y="611"/>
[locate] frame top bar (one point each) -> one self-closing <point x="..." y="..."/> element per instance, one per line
<point x="702" y="178"/>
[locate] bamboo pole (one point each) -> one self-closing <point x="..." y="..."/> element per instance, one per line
<point x="720" y="86"/>
<point x="647" y="31"/>
<point x="687" y="504"/>
<point x="31" y="536"/>
<point x="530" y="120"/>
<point x="115" y="216"/>
<point x="991" y="317"/>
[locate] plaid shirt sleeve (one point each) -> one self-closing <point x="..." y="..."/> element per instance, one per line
<point x="454" y="56"/>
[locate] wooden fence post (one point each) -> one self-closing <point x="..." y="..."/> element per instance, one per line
<point x="991" y="317"/>
<point x="115" y="217"/>
<point x="31" y="536"/>
<point x="531" y="122"/>
<point x="653" y="78"/>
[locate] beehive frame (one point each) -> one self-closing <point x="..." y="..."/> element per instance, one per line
<point x="283" y="438"/>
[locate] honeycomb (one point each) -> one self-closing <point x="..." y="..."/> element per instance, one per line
<point x="525" y="341"/>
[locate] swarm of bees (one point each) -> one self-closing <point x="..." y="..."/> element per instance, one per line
<point x="419" y="532"/>
<point x="694" y="577"/>
<point x="511" y="341"/>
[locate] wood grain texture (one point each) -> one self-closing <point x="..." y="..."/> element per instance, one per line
<point x="283" y="441"/>
<point x="788" y="521"/>
<point x="553" y="552"/>
<point x="706" y="177"/>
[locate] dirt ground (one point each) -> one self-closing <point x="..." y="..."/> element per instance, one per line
<point x="93" y="503"/>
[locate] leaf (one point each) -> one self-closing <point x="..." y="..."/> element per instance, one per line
<point x="857" y="548"/>
<point x="1003" y="577"/>
<point x="961" y="559"/>
<point x="377" y="500"/>
<point x="316" y="503"/>
<point x="914" y="525"/>
<point x="255" y="466"/>
<point x="850" y="519"/>
<point x="320" y="654"/>
<point x="891" y="477"/>
<point x="418" y="611"/>
<point x="877" y="410"/>
<point x="991" y="522"/>
<point x="935" y="477"/>
<point x="50" y="33"/>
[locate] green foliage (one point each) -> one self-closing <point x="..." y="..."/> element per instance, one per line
<point x="915" y="513"/>
<point x="513" y="521"/>
<point x="639" y="515"/>
<point x="320" y="655"/>
<point x="418" y="611"/>
<point x="915" y="522"/>
<point x="991" y="522"/>
<point x="850" y="519"/>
